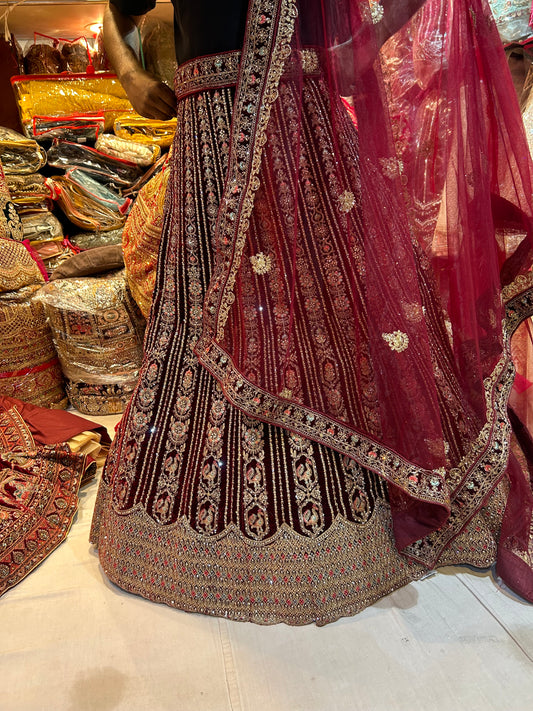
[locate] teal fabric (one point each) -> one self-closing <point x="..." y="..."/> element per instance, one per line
<point x="512" y="18"/>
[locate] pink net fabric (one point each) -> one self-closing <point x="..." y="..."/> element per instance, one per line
<point x="356" y="296"/>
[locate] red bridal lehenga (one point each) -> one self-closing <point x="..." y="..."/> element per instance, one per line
<point x="322" y="414"/>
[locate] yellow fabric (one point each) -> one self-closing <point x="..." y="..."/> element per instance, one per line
<point x="64" y="95"/>
<point x="141" y="238"/>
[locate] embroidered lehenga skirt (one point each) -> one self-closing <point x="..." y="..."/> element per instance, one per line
<point x="210" y="510"/>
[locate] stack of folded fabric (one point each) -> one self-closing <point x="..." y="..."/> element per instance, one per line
<point x="98" y="334"/>
<point x="29" y="368"/>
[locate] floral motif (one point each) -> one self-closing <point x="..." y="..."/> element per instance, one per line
<point x="261" y="263"/>
<point x="397" y="341"/>
<point x="376" y="11"/>
<point x="346" y="201"/>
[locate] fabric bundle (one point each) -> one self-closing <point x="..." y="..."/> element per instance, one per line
<point x="19" y="154"/>
<point x="96" y="238"/>
<point x="64" y="95"/>
<point x="512" y="18"/>
<point x="106" y="169"/>
<point x="29" y="368"/>
<point x="98" y="334"/>
<point x="76" y="128"/>
<point x="29" y="190"/>
<point x="141" y="154"/>
<point x="85" y="211"/>
<point x="144" y="130"/>
<point x="40" y="475"/>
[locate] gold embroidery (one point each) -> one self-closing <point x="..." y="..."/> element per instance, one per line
<point x="266" y="56"/>
<point x="307" y="491"/>
<point x="391" y="167"/>
<point x="261" y="263"/>
<point x="346" y="201"/>
<point x="397" y="341"/>
<point x="255" y="491"/>
<point x="376" y="11"/>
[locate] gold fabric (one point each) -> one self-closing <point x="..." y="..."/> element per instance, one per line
<point x="63" y="95"/>
<point x="29" y="369"/>
<point x="98" y="332"/>
<point x="144" y="130"/>
<point x="10" y="224"/>
<point x="17" y="268"/>
<point x="141" y="238"/>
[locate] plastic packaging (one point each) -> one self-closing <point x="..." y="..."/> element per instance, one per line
<point x="82" y="210"/>
<point x="156" y="168"/>
<point x="512" y="19"/>
<point x="141" y="154"/>
<point x="27" y="190"/>
<point x="19" y="154"/>
<point x="77" y="128"/>
<point x="29" y="367"/>
<point x="42" y="225"/>
<point x="98" y="332"/>
<point x="89" y="240"/>
<point x="67" y="94"/>
<point x="158" y="48"/>
<point x="98" y="192"/>
<point x="143" y="130"/>
<point x="108" y="170"/>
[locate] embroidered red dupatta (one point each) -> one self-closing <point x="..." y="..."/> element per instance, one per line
<point x="366" y="313"/>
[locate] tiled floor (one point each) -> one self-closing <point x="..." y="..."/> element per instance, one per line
<point x="71" y="641"/>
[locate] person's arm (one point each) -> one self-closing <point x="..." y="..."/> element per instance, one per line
<point x="148" y="96"/>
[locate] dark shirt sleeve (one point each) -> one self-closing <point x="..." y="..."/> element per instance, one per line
<point x="133" y="7"/>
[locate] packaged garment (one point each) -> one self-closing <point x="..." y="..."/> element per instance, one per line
<point x="98" y="192"/>
<point x="77" y="128"/>
<point x="67" y="94"/>
<point x="51" y="252"/>
<point x="29" y="368"/>
<point x="90" y="240"/>
<point x="141" y="154"/>
<point x="156" y="168"/>
<point x="82" y="210"/>
<point x="76" y="56"/>
<point x="27" y="190"/>
<point x="43" y="59"/>
<point x="158" y="48"/>
<point x="512" y="18"/>
<point x="98" y="332"/>
<point x="144" y="130"/>
<point x="108" y="170"/>
<point x="20" y="154"/>
<point x="42" y="225"/>
<point x="141" y="239"/>
<point x="52" y="55"/>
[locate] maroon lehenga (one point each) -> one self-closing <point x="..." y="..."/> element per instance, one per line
<point x="321" y="415"/>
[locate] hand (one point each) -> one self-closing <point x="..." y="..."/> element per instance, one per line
<point x="149" y="96"/>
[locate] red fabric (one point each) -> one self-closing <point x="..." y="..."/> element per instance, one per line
<point x="52" y="426"/>
<point x="443" y="162"/>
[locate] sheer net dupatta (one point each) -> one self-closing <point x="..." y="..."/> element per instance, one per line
<point x="356" y="295"/>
